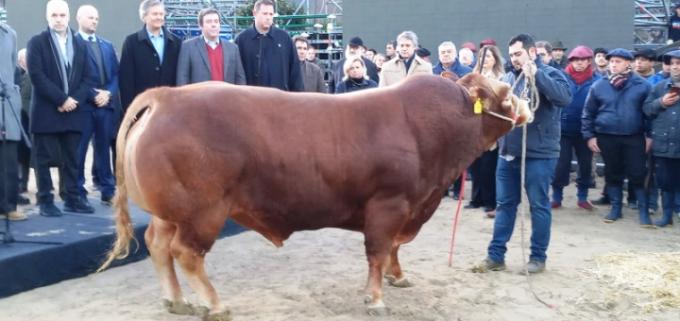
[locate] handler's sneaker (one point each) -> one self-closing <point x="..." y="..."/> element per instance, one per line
<point x="535" y="267"/>
<point x="15" y="216"/>
<point x="488" y="265"/>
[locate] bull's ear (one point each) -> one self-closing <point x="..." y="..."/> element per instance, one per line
<point x="474" y="93"/>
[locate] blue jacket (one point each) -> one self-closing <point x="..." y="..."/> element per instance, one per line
<point x="665" y="122"/>
<point x="657" y="78"/>
<point x="456" y="68"/>
<point x="615" y="111"/>
<point x="280" y="67"/>
<point x="110" y="62"/>
<point x="543" y="134"/>
<point x="48" y="93"/>
<point x="571" y="115"/>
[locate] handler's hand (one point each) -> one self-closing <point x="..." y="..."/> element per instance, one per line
<point x="592" y="144"/>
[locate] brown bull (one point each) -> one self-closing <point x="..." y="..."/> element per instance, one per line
<point x="376" y="161"/>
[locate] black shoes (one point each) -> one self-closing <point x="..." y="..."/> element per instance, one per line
<point x="107" y="200"/>
<point x="23" y="200"/>
<point x="49" y="210"/>
<point x="80" y="205"/>
<point x="471" y="206"/>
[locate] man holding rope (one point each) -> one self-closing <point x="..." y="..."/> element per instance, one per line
<point x="547" y="90"/>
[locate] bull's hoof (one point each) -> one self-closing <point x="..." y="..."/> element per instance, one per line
<point x="220" y="316"/>
<point x="204" y="313"/>
<point x="201" y="311"/>
<point x="403" y="283"/>
<point x="378" y="311"/>
<point x="178" y="307"/>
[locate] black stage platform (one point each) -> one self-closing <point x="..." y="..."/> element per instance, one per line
<point x="84" y="240"/>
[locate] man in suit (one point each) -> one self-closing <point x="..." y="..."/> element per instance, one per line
<point x="407" y="62"/>
<point x="267" y="52"/>
<point x="149" y="57"/>
<point x="63" y="84"/>
<point x="312" y="75"/>
<point x="10" y="123"/>
<point x="206" y="57"/>
<point x="103" y="60"/>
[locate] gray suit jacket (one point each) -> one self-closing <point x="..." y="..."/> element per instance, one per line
<point x="8" y="65"/>
<point x="312" y="77"/>
<point x="193" y="65"/>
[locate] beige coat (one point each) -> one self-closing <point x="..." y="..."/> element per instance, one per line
<point x="394" y="71"/>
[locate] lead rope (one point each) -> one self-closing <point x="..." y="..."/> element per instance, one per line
<point x="529" y="92"/>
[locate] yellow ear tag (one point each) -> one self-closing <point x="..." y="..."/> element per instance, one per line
<point x="478" y="106"/>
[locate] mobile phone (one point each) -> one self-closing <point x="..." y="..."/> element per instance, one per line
<point x="674" y="90"/>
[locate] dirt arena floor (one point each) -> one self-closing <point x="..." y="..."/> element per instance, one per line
<point x="319" y="275"/>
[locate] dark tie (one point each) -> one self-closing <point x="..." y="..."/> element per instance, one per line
<point x="90" y="38"/>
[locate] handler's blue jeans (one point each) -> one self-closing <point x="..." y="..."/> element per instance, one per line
<point x="539" y="175"/>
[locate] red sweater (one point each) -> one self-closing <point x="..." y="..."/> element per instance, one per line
<point x="216" y="59"/>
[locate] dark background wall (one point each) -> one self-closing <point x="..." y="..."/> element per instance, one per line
<point x="117" y="18"/>
<point x="606" y="23"/>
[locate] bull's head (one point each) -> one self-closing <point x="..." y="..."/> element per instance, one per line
<point x="496" y="99"/>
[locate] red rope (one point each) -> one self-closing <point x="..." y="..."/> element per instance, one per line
<point x="461" y="196"/>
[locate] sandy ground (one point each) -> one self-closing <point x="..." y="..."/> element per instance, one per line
<point x="319" y="275"/>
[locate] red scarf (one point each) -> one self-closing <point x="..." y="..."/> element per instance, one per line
<point x="580" y="77"/>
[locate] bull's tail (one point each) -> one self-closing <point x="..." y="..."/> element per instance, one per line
<point x="124" y="228"/>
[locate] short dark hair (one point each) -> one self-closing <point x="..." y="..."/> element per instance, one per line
<point x="600" y="50"/>
<point x="393" y="43"/>
<point x="526" y="40"/>
<point x="373" y="51"/>
<point x="260" y="3"/>
<point x="205" y="12"/>
<point x="544" y="44"/>
<point x="301" y="39"/>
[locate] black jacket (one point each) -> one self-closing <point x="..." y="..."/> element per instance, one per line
<point x="674" y="28"/>
<point x="280" y="67"/>
<point x="140" y="68"/>
<point x="350" y="85"/>
<point x="48" y="93"/>
<point x="339" y="73"/>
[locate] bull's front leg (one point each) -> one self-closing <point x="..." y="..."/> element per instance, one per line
<point x="377" y="262"/>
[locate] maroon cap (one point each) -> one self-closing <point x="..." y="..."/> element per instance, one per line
<point x="581" y="52"/>
<point x="470" y="46"/>
<point x="487" y="42"/>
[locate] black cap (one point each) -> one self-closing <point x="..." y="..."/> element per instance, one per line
<point x="601" y="50"/>
<point x="423" y="52"/>
<point x="558" y="45"/>
<point x="645" y="53"/>
<point x="356" y="42"/>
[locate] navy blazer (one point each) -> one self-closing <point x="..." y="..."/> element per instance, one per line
<point x="48" y="93"/>
<point x="110" y="67"/>
<point x="140" y="68"/>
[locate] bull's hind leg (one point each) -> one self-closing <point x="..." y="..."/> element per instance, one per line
<point x="395" y="276"/>
<point x="158" y="236"/>
<point x="383" y="220"/>
<point x="189" y="249"/>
